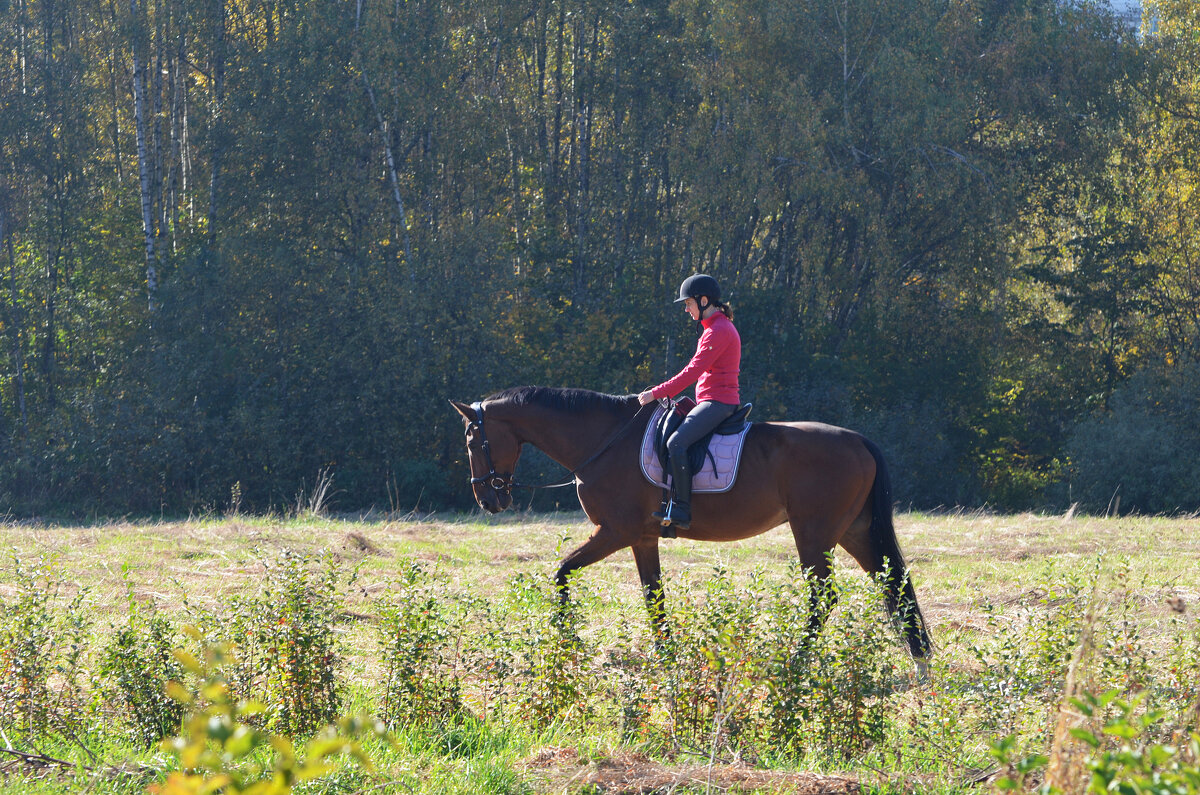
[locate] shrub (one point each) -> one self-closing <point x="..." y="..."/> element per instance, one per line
<point x="287" y="656"/>
<point x="420" y="636"/>
<point x="137" y="664"/>
<point x="705" y="667"/>
<point x="42" y="651"/>
<point x="1023" y="658"/>
<point x="1123" y="752"/>
<point x="221" y="750"/>
<point x="829" y="694"/>
<point x="531" y="655"/>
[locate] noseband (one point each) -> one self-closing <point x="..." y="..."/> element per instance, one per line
<point x="500" y="482"/>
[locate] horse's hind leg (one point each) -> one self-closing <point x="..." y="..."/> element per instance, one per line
<point x="900" y="598"/>
<point x="650" y="573"/>
<point x="814" y="557"/>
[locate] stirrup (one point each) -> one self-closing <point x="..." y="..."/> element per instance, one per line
<point x="662" y="516"/>
<point x="678" y="517"/>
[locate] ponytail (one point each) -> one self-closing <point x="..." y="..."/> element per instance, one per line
<point x="724" y="308"/>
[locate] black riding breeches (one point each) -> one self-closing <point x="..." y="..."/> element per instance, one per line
<point x="699" y="422"/>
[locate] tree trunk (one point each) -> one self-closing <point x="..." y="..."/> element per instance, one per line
<point x="116" y="98"/>
<point x="218" y="127"/>
<point x="139" y="116"/>
<point x="11" y="311"/>
<point x="391" y="164"/>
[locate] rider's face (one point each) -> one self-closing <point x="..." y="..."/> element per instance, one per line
<point x="692" y="308"/>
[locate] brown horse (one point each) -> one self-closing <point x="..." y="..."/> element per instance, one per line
<point x="829" y="484"/>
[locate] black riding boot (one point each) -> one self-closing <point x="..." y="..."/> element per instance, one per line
<point x="679" y="512"/>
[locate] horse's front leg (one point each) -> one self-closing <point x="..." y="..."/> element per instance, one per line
<point x="602" y="543"/>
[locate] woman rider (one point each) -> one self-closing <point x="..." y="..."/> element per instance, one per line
<point x="714" y="370"/>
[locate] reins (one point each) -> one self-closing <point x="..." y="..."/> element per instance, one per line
<point x="504" y="481"/>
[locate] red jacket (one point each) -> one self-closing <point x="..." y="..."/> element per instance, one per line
<point x="713" y="368"/>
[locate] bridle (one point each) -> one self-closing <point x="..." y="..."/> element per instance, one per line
<point x="500" y="482"/>
<point x="503" y="482"/>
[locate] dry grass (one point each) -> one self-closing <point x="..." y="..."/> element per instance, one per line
<point x="957" y="559"/>
<point x="631" y="773"/>
<point x="959" y="562"/>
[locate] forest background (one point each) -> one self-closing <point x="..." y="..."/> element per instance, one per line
<point x="247" y="244"/>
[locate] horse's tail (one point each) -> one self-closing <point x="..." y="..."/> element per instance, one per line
<point x="901" y="598"/>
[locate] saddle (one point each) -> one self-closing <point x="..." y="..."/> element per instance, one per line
<point x="713" y="459"/>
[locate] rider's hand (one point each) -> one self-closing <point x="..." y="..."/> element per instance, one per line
<point x="646" y="398"/>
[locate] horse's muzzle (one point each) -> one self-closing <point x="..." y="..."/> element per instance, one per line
<point x="495" y="502"/>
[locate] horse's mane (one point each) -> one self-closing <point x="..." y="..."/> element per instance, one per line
<point x="562" y="399"/>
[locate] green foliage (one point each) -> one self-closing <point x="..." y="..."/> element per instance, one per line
<point x="742" y="674"/>
<point x="474" y="683"/>
<point x="287" y="655"/>
<point x="536" y="661"/>
<point x="420" y="640"/>
<point x="42" y="655"/>
<point x="354" y="212"/>
<point x="1022" y="668"/>
<point x="829" y="694"/>
<point x="1127" y="758"/>
<point x="296" y="614"/>
<point x="706" y="667"/>
<point x="221" y="750"/>
<point x="135" y="669"/>
<point x="1124" y="754"/>
<point x="1138" y="447"/>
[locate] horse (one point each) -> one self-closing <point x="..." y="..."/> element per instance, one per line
<point x="830" y="484"/>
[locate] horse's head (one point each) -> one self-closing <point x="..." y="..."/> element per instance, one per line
<point x="493" y="453"/>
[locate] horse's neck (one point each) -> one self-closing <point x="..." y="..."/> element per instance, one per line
<point x="568" y="438"/>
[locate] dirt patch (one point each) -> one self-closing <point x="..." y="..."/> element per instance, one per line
<point x="416" y="529"/>
<point x="357" y="542"/>
<point x="631" y="773"/>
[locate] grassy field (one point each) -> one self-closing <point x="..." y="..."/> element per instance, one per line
<point x="1006" y="598"/>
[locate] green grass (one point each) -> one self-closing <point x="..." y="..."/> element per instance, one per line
<point x="1004" y="596"/>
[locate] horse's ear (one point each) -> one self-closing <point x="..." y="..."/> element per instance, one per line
<point x="463" y="409"/>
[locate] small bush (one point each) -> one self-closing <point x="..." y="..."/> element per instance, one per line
<point x="830" y="694"/>
<point x="42" y="652"/>
<point x="136" y="665"/>
<point x="300" y="607"/>
<point x="222" y="750"/>
<point x="1124" y="752"/>
<point x="533" y="660"/>
<point x="1023" y="658"/>
<point x="287" y="656"/>
<point x="420" y="636"/>
<point x="706" y="667"/>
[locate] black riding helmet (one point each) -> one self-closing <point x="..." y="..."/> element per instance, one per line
<point x="698" y="285"/>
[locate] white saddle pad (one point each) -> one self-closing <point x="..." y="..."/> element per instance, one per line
<point x="725" y="450"/>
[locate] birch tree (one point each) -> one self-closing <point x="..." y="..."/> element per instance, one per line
<point x="138" y="37"/>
